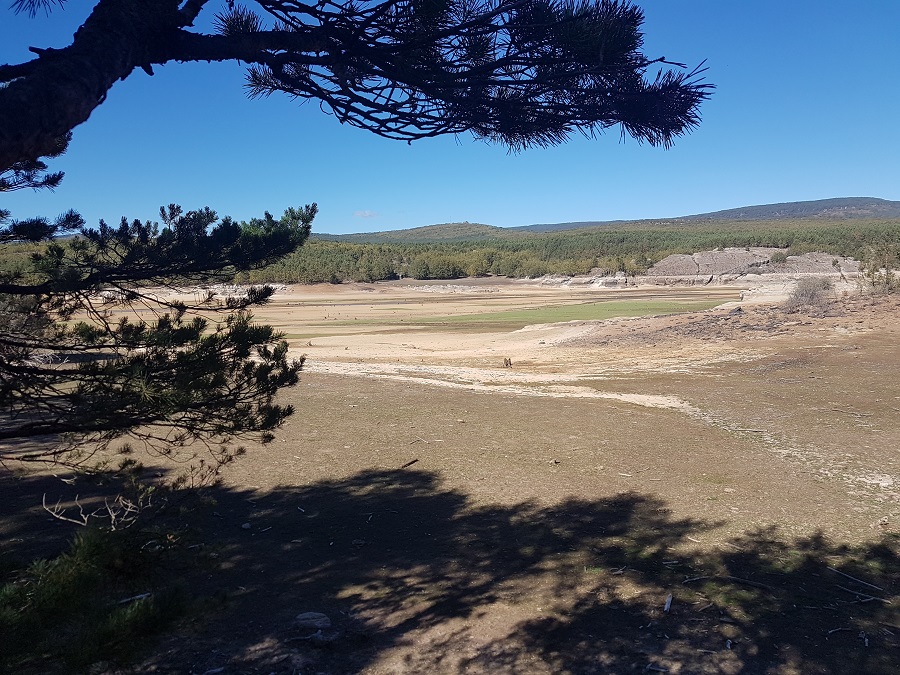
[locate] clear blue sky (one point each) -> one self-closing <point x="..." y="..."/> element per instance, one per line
<point x="807" y="107"/>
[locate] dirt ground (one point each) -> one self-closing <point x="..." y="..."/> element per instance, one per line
<point x="577" y="511"/>
<point x="763" y="398"/>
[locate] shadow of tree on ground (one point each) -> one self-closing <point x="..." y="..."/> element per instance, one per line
<point x="418" y="578"/>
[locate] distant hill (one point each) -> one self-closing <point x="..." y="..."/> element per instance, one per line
<point x="428" y="234"/>
<point x="823" y="209"/>
<point x="842" y="208"/>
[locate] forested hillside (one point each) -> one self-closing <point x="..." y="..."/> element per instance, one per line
<point x="818" y="211"/>
<point x="630" y="249"/>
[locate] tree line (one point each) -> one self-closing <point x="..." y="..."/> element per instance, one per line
<point x="602" y="251"/>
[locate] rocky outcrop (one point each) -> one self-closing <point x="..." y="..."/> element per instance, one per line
<point x="733" y="263"/>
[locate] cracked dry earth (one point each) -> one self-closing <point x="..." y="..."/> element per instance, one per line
<point x="452" y="515"/>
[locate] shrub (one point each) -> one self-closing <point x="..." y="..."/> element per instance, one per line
<point x="879" y="269"/>
<point x="812" y="294"/>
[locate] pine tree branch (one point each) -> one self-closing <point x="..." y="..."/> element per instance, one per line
<point x="9" y="72"/>
<point x="191" y="10"/>
<point x="73" y="362"/>
<point x="48" y="97"/>
<point x="520" y="72"/>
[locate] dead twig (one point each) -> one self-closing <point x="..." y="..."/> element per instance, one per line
<point x="859" y="581"/>
<point x="140" y="596"/>
<point x="865" y="596"/>
<point x="60" y="513"/>
<point x="122" y="513"/>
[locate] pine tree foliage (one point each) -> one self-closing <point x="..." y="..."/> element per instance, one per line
<point x="516" y="72"/>
<point x="93" y="348"/>
<point x="32" y="173"/>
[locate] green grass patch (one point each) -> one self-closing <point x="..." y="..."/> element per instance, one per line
<point x="591" y="311"/>
<point x="513" y="319"/>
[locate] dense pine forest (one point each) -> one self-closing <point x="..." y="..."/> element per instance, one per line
<point x="631" y="248"/>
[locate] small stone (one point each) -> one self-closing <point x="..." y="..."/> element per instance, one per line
<point x="358" y="542"/>
<point x="313" y="620"/>
<point x="325" y="638"/>
<point x="245" y="526"/>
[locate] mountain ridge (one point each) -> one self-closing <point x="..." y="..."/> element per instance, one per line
<point x="849" y="208"/>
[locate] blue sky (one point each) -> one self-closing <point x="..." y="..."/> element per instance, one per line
<point x="806" y="107"/>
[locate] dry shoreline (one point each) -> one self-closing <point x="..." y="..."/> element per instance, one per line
<point x="450" y="514"/>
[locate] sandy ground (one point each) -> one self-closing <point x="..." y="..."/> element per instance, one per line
<point x="453" y="514"/>
<point x="764" y="384"/>
<point x="739" y="419"/>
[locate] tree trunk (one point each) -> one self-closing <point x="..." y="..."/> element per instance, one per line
<point x="60" y="89"/>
